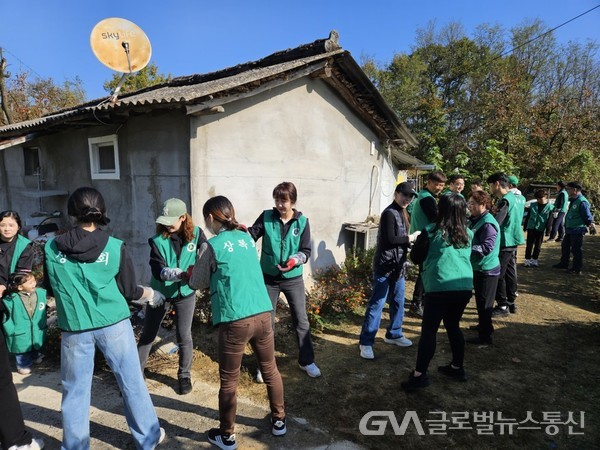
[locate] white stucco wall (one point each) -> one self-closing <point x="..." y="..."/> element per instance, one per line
<point x="303" y="133"/>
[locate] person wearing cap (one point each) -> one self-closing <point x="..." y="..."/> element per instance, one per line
<point x="577" y="221"/>
<point x="172" y="252"/>
<point x="561" y="205"/>
<point x="509" y="215"/>
<point x="423" y="213"/>
<point x="389" y="269"/>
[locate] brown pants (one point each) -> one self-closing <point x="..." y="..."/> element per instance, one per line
<point x="233" y="337"/>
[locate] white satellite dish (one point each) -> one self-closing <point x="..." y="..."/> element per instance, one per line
<point x="122" y="46"/>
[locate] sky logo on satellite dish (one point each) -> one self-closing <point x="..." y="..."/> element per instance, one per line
<point x="118" y="34"/>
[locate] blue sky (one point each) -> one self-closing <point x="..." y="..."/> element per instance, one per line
<point x="51" y="38"/>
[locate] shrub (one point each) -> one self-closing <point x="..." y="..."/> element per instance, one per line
<point x="339" y="291"/>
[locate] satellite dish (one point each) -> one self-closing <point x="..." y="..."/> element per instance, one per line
<point x="120" y="45"/>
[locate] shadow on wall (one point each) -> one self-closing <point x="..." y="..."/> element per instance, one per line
<point x="323" y="257"/>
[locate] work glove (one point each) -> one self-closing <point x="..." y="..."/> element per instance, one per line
<point x="413" y="237"/>
<point x="289" y="264"/>
<point x="592" y="229"/>
<point x="169" y="274"/>
<point x="150" y="297"/>
<point x="189" y="271"/>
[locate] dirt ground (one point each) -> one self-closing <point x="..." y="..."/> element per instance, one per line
<point x="543" y="363"/>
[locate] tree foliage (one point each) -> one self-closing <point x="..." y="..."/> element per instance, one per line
<point x="478" y="107"/>
<point x="146" y="77"/>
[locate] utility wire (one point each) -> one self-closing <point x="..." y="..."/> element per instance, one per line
<point x="20" y="61"/>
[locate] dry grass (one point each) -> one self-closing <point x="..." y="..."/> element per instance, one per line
<point x="545" y="358"/>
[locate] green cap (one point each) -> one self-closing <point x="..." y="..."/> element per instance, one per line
<point x="513" y="180"/>
<point x="172" y="210"/>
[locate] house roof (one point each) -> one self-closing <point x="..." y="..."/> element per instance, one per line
<point x="206" y="93"/>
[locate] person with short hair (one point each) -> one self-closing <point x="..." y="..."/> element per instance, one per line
<point x="577" y="221"/>
<point x="423" y="213"/>
<point x="456" y="184"/>
<point x="561" y="205"/>
<point x="443" y="249"/>
<point x="476" y="185"/>
<point x="537" y="219"/>
<point x="389" y="270"/>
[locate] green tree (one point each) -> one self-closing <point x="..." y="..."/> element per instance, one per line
<point x="146" y="77"/>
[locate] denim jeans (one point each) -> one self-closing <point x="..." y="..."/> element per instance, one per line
<point x="293" y="289"/>
<point x="117" y="343"/>
<point x="25" y="360"/>
<point x="384" y="289"/>
<point x="184" y="314"/>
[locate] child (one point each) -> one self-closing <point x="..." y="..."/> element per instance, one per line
<point x="25" y="321"/>
<point x="536" y="225"/>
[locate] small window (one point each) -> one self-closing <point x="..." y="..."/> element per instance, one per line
<point x="104" y="157"/>
<point x="31" y="160"/>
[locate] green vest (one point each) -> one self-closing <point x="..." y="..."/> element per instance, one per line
<point x="573" y="218"/>
<point x="538" y="219"/>
<point x="511" y="233"/>
<point x="20" y="245"/>
<point x="446" y="268"/>
<point x="187" y="258"/>
<point x="24" y="333"/>
<point x="87" y="295"/>
<point x="418" y="219"/>
<point x="491" y="260"/>
<point x="565" y="203"/>
<point x="237" y="287"/>
<point x="276" y="250"/>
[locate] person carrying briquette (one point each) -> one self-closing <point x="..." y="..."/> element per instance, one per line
<point x="389" y="271"/>
<point x="444" y="251"/>
<point x="241" y="308"/>
<point x="424" y="212"/>
<point x="16" y="253"/>
<point x="91" y="276"/>
<point x="537" y="219"/>
<point x="509" y="215"/>
<point x="577" y="221"/>
<point x="172" y="252"/>
<point x="25" y="323"/>
<point x="485" y="249"/>
<point x="286" y="247"/>
<point x="561" y="205"/>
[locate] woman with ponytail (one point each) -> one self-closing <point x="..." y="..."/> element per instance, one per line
<point x="241" y="308"/>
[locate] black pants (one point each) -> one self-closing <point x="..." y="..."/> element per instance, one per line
<point x="12" y="427"/>
<point x="534" y="244"/>
<point x="558" y="226"/>
<point x="437" y="307"/>
<point x="485" y="291"/>
<point x="506" y="293"/>
<point x="418" y="291"/>
<point x="572" y="243"/>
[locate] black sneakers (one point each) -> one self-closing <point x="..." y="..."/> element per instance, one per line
<point x="458" y="374"/>
<point x="279" y="428"/>
<point x="224" y="441"/>
<point x="512" y="308"/>
<point x="185" y="386"/>
<point x="416" y="310"/>
<point x="500" y="311"/>
<point x="413" y="383"/>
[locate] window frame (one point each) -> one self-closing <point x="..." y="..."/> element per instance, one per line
<point x="94" y="144"/>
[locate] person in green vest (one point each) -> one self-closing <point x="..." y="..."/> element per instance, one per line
<point x="509" y="215"/>
<point x="561" y="205"/>
<point x="91" y="276"/>
<point x="286" y="247"/>
<point x="537" y="220"/>
<point x="16" y="252"/>
<point x="485" y="262"/>
<point x="228" y="264"/>
<point x="578" y="220"/>
<point x="424" y="212"/>
<point x="456" y="184"/>
<point x="25" y="320"/>
<point x="172" y="252"/>
<point x="444" y="251"/>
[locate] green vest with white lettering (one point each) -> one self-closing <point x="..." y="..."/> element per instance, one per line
<point x="446" y="268"/>
<point x="511" y="233"/>
<point x="276" y="250"/>
<point x="491" y="260"/>
<point x="573" y="218"/>
<point x="187" y="258"/>
<point x="418" y="219"/>
<point x="20" y="245"/>
<point x="237" y="287"/>
<point x="87" y="295"/>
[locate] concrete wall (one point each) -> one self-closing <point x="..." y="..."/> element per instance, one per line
<point x="301" y="132"/>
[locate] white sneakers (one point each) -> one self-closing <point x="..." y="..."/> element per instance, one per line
<point x="400" y="342"/>
<point x="259" y="378"/>
<point x="531" y="263"/>
<point x="311" y="370"/>
<point x="366" y="352"/>
<point x="36" y="444"/>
